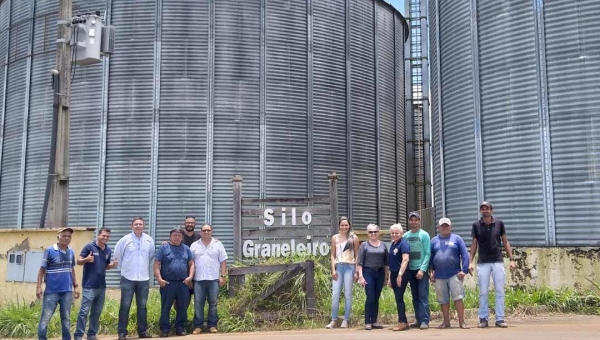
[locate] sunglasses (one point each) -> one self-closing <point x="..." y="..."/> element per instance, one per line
<point x="373" y="232"/>
<point x="206" y="230"/>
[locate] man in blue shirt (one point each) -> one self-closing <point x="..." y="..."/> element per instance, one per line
<point x="174" y="272"/>
<point x="448" y="267"/>
<point x="95" y="258"/>
<point x="61" y="284"/>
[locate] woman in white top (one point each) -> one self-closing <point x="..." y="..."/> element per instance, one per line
<point x="344" y="249"/>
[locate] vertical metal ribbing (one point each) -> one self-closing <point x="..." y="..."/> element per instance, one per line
<point x="263" y="99"/>
<point x="26" y="118"/>
<point x="377" y="120"/>
<point x="397" y="125"/>
<point x="309" y="84"/>
<point x="103" y="126"/>
<point x="348" y="111"/>
<point x="546" y="150"/>
<point x="210" y="111"/>
<point x="440" y="131"/>
<point x="409" y="122"/>
<point x="3" y="108"/>
<point x="476" y="102"/>
<point x="155" y="117"/>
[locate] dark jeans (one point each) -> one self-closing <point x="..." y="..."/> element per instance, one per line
<point x="140" y="289"/>
<point x="92" y="302"/>
<point x="399" y="294"/>
<point x="374" y="279"/>
<point x="206" y="290"/>
<point x="174" y="292"/>
<point x="419" y="290"/>
<point x="49" y="303"/>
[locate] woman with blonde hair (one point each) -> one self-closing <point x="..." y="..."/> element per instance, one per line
<point x="344" y="249"/>
<point x="399" y="256"/>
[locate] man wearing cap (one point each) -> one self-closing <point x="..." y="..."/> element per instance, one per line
<point x="488" y="236"/>
<point x="174" y="272"/>
<point x="95" y="257"/>
<point x="61" y="284"/>
<point x="134" y="252"/>
<point x="447" y="269"/>
<point x="420" y="252"/>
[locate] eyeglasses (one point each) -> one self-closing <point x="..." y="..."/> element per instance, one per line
<point x="394" y="233"/>
<point x="206" y="230"/>
<point x="373" y="232"/>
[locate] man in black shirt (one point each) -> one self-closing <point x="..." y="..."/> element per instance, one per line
<point x="189" y="235"/>
<point x="489" y="235"/>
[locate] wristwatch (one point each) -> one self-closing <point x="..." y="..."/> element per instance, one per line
<point x="223" y="276"/>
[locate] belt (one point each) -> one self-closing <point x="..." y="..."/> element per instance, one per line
<point x="374" y="268"/>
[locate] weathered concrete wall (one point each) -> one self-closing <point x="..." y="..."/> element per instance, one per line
<point x="552" y="267"/>
<point x="33" y="240"/>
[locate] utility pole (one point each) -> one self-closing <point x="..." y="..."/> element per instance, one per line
<point x="59" y="191"/>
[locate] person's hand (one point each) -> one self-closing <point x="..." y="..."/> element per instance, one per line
<point x="471" y="268"/>
<point x="114" y="263"/>
<point x="188" y="282"/>
<point x="460" y="276"/>
<point x="164" y="242"/>
<point x="221" y="281"/>
<point x="38" y="292"/>
<point x="513" y="265"/>
<point x="420" y="274"/>
<point x="362" y="281"/>
<point x="162" y="283"/>
<point x="76" y="293"/>
<point x="90" y="258"/>
<point x="388" y="283"/>
<point x="399" y="280"/>
<point x="432" y="276"/>
<point x="355" y="276"/>
<point x="334" y="275"/>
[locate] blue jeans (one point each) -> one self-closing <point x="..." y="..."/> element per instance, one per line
<point x="203" y="290"/>
<point x="399" y="294"/>
<point x="419" y="290"/>
<point x="345" y="272"/>
<point x="92" y="302"/>
<point x="175" y="292"/>
<point x="140" y="289"/>
<point x="498" y="273"/>
<point x="374" y="279"/>
<point x="49" y="303"/>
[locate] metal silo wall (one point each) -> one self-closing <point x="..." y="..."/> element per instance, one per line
<point x="363" y="129"/>
<point x="457" y="107"/>
<point x="386" y="109"/>
<point x="400" y="33"/>
<point x="573" y="65"/>
<point x="14" y="113"/>
<point x="182" y="115"/>
<point x="330" y="139"/>
<point x="236" y="107"/>
<point x="436" y="121"/>
<point x="87" y="124"/>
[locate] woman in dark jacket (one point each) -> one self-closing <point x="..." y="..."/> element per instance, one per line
<point x="398" y="261"/>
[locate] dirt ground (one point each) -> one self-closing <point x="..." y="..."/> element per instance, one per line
<point x="529" y="328"/>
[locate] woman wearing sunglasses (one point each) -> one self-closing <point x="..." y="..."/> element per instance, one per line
<point x="399" y="256"/>
<point x="344" y="249"/>
<point x="373" y="273"/>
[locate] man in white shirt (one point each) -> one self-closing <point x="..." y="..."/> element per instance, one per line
<point x="134" y="252"/>
<point x="211" y="269"/>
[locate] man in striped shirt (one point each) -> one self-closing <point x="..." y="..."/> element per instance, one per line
<point x="61" y="284"/>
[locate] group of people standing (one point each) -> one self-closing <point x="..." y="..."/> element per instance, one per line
<point x="415" y="259"/>
<point x="189" y="263"/>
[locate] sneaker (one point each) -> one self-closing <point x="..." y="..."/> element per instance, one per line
<point x="197" y="330"/>
<point x="377" y="326"/>
<point x="415" y="325"/>
<point x="344" y="324"/>
<point x="213" y="329"/>
<point x="164" y="334"/>
<point x="122" y="336"/>
<point x="145" y="335"/>
<point x="501" y="324"/>
<point x="331" y="325"/>
<point x="368" y="327"/>
<point x="424" y="326"/>
<point x="180" y="332"/>
<point x="483" y="323"/>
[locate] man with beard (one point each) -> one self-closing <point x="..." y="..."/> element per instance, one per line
<point x="489" y="235"/>
<point x="189" y="235"/>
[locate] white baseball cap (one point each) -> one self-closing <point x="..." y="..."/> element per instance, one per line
<point x="445" y="220"/>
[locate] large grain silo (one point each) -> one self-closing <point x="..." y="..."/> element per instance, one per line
<point x="516" y="116"/>
<point x="280" y="92"/>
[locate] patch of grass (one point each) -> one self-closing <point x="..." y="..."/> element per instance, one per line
<point x="20" y="320"/>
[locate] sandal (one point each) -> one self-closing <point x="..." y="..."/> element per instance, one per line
<point x="443" y="326"/>
<point x="464" y="326"/>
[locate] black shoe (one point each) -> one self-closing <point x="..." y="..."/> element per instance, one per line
<point x="415" y="325"/>
<point x="122" y="336"/>
<point x="162" y="334"/>
<point x="501" y="324"/>
<point x="483" y="323"/>
<point x="145" y="335"/>
<point x="180" y="332"/>
<point x="377" y="326"/>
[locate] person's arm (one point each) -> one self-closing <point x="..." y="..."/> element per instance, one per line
<point x="431" y="264"/>
<point x="223" y="273"/>
<point x="359" y="266"/>
<point x="386" y="264"/>
<point x="159" y="278"/>
<point x="356" y="251"/>
<point x="332" y="258"/>
<point x="111" y="264"/>
<point x="119" y="250"/>
<point x="85" y="256"/>
<point x="507" y="247"/>
<point x="426" y="241"/>
<point x="473" y="248"/>
<point x="74" y="276"/>
<point x="40" y="278"/>
<point x="464" y="255"/>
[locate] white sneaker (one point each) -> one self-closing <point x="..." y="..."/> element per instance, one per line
<point x="344" y="324"/>
<point x="331" y="325"/>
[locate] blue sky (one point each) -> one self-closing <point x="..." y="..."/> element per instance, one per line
<point x="399" y="4"/>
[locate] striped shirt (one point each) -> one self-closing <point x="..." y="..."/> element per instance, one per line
<point x="59" y="269"/>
